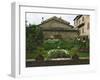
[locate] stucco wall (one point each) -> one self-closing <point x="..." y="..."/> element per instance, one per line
<point x="85" y="29"/>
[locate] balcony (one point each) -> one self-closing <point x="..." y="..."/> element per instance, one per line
<point x="80" y="24"/>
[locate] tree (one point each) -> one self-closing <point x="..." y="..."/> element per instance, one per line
<point x="34" y="38"/>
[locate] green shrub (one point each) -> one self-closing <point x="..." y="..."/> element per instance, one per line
<point x="53" y="44"/>
<point x="40" y="51"/>
<point x="39" y="58"/>
<point x="30" y="56"/>
<point x="74" y="53"/>
<point x="58" y="54"/>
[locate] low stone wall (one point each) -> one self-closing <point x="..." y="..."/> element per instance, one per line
<point x="57" y="63"/>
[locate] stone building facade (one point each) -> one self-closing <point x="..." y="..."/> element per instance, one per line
<point x="57" y="28"/>
<point x="82" y="23"/>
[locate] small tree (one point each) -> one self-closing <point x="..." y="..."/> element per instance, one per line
<point x="34" y="38"/>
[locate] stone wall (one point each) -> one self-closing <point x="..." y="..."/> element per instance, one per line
<point x="54" y="29"/>
<point x="61" y="34"/>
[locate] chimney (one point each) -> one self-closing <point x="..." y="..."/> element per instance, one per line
<point x="42" y="19"/>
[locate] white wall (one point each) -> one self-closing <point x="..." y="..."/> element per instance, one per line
<point x="5" y="39"/>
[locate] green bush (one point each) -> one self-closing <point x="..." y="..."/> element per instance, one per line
<point x="40" y="51"/>
<point x="53" y="44"/>
<point x="39" y="58"/>
<point x="74" y="53"/>
<point x="30" y="56"/>
<point x="37" y="52"/>
<point x="58" y="54"/>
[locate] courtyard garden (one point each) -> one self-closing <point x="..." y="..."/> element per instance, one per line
<point x="39" y="49"/>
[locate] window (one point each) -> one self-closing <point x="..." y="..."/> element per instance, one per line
<point x="82" y="30"/>
<point x="88" y="25"/>
<point x="82" y="18"/>
<point x="76" y="22"/>
<point x="58" y="36"/>
<point x="79" y="22"/>
<point x="84" y="38"/>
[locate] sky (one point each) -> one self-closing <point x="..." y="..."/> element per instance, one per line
<point x="36" y="18"/>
